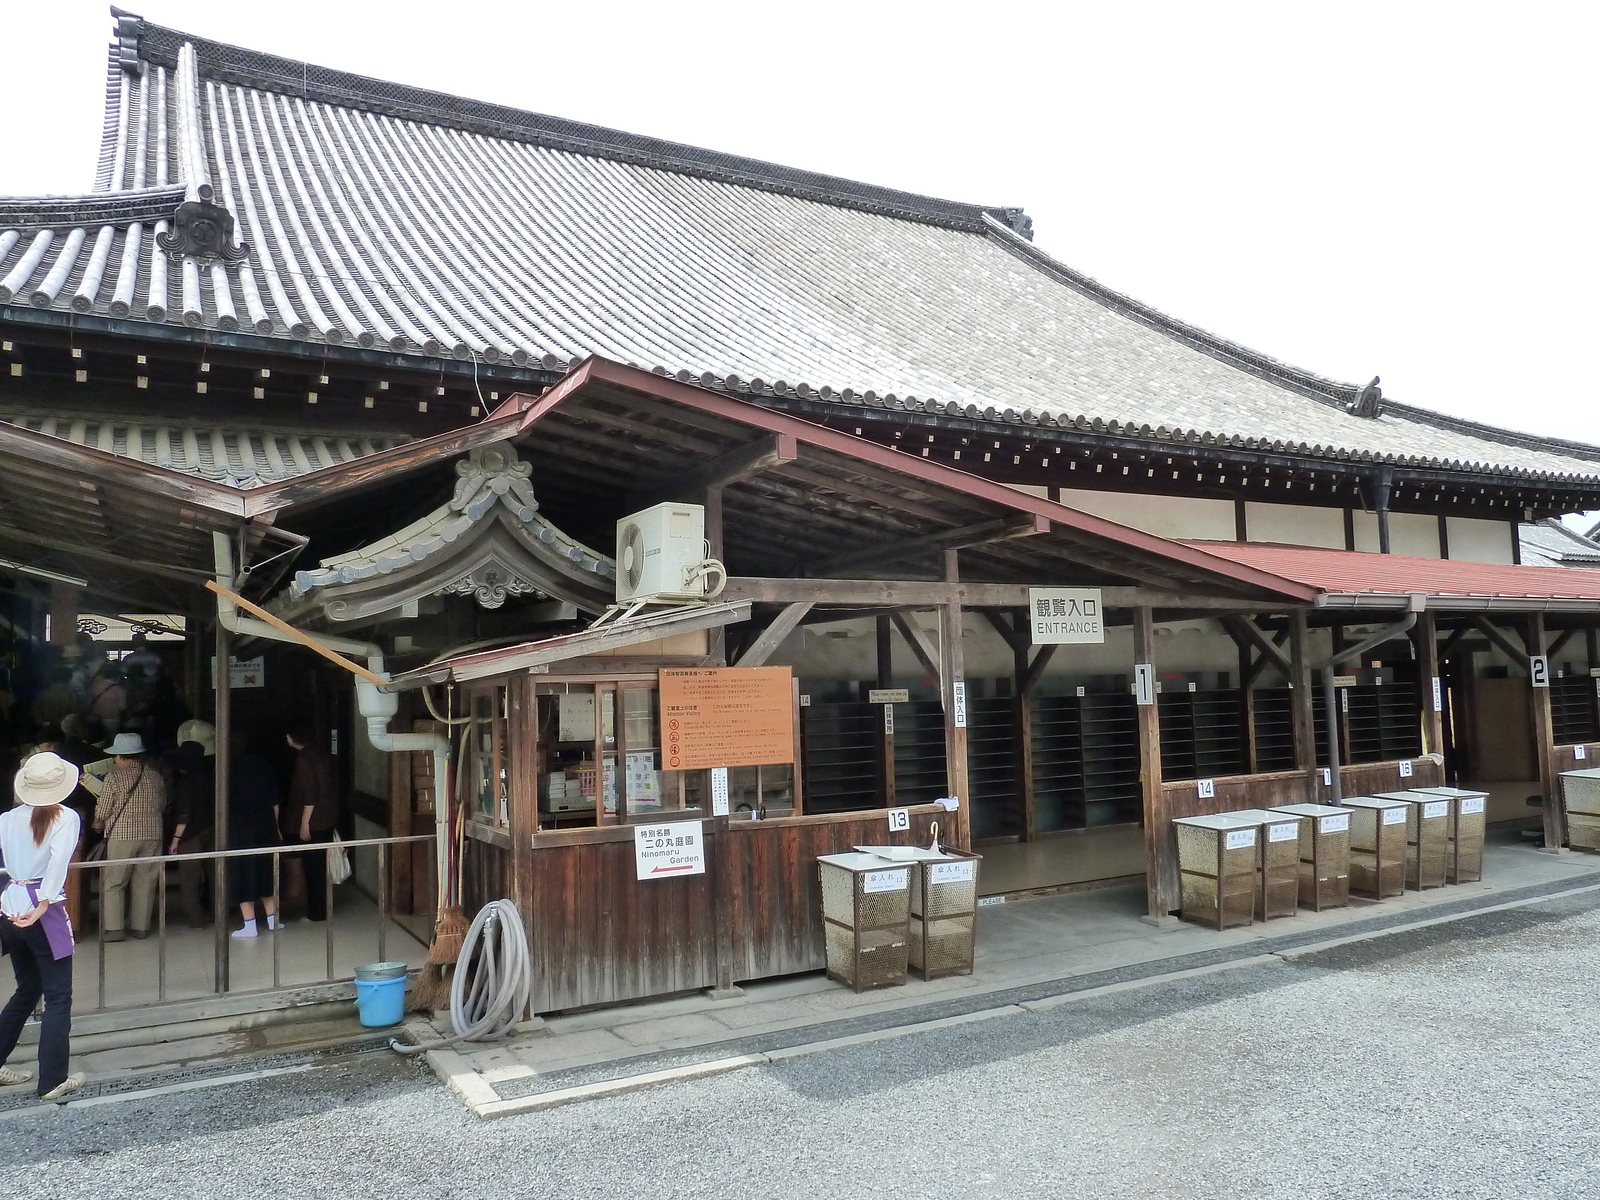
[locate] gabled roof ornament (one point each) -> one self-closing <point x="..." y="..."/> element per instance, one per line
<point x="201" y="228"/>
<point x="1014" y="219"/>
<point x="129" y="28"/>
<point x="1368" y="402"/>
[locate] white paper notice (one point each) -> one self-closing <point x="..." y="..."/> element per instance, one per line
<point x="1471" y="804"/>
<point x="958" y="692"/>
<point x="1337" y="824"/>
<point x="1439" y="808"/>
<point x="886" y="881"/>
<point x="660" y="851"/>
<point x="1394" y="816"/>
<point x="1283" y="833"/>
<point x="1239" y="839"/>
<point x="956" y="872"/>
<point x="719" y="791"/>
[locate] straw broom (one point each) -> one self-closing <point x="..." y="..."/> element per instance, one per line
<point x="432" y="989"/>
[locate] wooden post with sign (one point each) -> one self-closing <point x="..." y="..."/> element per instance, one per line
<point x="1160" y="845"/>
<point x="1432" y="686"/>
<point x="884" y="630"/>
<point x="953" y="691"/>
<point x="1543" y="722"/>
<point x="1304" y="723"/>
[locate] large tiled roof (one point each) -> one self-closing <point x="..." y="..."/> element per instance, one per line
<point x="372" y="214"/>
<point x="1549" y="543"/>
<point x="243" y="458"/>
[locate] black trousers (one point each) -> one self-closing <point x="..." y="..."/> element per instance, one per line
<point x="315" y="863"/>
<point x="38" y="974"/>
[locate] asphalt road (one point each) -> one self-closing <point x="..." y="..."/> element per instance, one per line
<point x="1458" y="1061"/>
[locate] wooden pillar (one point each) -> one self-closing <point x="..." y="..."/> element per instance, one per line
<point x="222" y="683"/>
<point x="716" y="639"/>
<point x="883" y="630"/>
<point x="522" y="736"/>
<point x="1025" y="679"/>
<point x="1555" y="825"/>
<point x="1305" y="725"/>
<point x="1247" y="708"/>
<point x="1160" y="846"/>
<point x="1432" y="684"/>
<point x="953" y="690"/>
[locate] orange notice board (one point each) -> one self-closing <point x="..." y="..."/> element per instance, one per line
<point x="727" y="717"/>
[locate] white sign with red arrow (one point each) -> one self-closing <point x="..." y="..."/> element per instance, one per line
<point x="663" y="851"/>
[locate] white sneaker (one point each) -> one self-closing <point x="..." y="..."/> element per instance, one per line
<point x="10" y="1076"/>
<point x="249" y="931"/>
<point x="65" y="1088"/>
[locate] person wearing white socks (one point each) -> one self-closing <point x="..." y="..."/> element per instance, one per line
<point x="252" y="822"/>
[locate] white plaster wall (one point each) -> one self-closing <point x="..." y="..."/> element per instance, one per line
<point x="1416" y="534"/>
<point x="1294" y="524"/>
<point x="1366" y="531"/>
<point x="1168" y="516"/>
<point x="1474" y="540"/>
<point x="369" y="767"/>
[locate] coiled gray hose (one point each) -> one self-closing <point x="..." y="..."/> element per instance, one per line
<point x="501" y="980"/>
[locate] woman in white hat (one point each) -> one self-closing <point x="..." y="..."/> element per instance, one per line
<point x="37" y="839"/>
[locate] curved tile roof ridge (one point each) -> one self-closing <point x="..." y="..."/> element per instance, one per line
<point x="158" y="44"/>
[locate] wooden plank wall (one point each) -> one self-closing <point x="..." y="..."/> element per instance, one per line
<point x="485" y="874"/>
<point x="774" y="900"/>
<point x="599" y="935"/>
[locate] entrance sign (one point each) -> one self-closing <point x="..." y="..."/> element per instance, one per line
<point x="1438" y="695"/>
<point x="888" y="718"/>
<point x="1066" y="616"/>
<point x="959" y="691"/>
<point x="1539" y="670"/>
<point x="662" y="851"/>
<point x="727" y="717"/>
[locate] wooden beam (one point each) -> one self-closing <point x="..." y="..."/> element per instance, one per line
<point x="922" y="593"/>
<point x="1560" y="642"/>
<point x="1162" y="896"/>
<point x="944" y="540"/>
<point x="741" y="463"/>
<point x="1543" y="722"/>
<point x="772" y="636"/>
<point x="1014" y="637"/>
<point x="1305" y="726"/>
<point x="298" y="635"/>
<point x="1428" y="659"/>
<point x="1451" y="642"/>
<point x="953" y="691"/>
<point x="1517" y="654"/>
<point x="1035" y="669"/>
<point x="927" y="653"/>
<point x="1022" y="676"/>
<point x="1262" y="662"/>
<point x="1244" y="628"/>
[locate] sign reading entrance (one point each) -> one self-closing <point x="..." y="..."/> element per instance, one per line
<point x="727" y="717"/>
<point x="1062" y="616"/>
<point x="662" y="851"/>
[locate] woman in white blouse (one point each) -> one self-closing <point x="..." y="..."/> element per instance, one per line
<point x="37" y="839"/>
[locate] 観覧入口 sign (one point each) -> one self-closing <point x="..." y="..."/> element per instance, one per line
<point x="1063" y="616"/>
<point x="662" y="851"/>
<point x="726" y="717"/>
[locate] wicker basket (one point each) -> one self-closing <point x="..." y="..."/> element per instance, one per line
<point x="1468" y="817"/>
<point x="944" y="915"/>
<point x="1217" y="858"/>
<point x="1581" y="791"/>
<point x="1377" y="846"/>
<point x="865" y="912"/>
<point x="1324" y="854"/>
<point x="1427" y="838"/>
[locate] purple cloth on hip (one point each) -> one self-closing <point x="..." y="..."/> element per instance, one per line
<point x="55" y="923"/>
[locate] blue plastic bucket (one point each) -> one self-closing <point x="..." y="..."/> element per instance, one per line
<point x="381" y="1001"/>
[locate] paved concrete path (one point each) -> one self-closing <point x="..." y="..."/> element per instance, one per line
<point x="1456" y="1060"/>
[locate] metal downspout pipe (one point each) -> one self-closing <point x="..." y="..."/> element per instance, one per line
<point x="377" y="708"/>
<point x="1388" y="633"/>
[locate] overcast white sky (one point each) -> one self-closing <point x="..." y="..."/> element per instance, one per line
<point x="1404" y="190"/>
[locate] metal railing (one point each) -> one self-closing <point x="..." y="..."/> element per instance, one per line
<point x="222" y="907"/>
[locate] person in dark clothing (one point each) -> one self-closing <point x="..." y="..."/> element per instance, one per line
<point x="252" y="822"/>
<point x="191" y="772"/>
<point x="313" y="814"/>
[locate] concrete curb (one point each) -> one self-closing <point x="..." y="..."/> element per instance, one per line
<point x="481" y="1099"/>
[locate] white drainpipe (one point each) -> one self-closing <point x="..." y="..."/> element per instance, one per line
<point x="378" y="708"/>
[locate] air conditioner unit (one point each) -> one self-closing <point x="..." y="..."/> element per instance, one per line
<point x="658" y="550"/>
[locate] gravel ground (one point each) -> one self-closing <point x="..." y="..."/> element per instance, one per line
<point x="1456" y="1061"/>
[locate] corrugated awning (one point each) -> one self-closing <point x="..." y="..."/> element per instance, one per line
<point x="1361" y="579"/>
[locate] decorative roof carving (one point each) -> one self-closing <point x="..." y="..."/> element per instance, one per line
<point x="488" y="541"/>
<point x="201" y="229"/>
